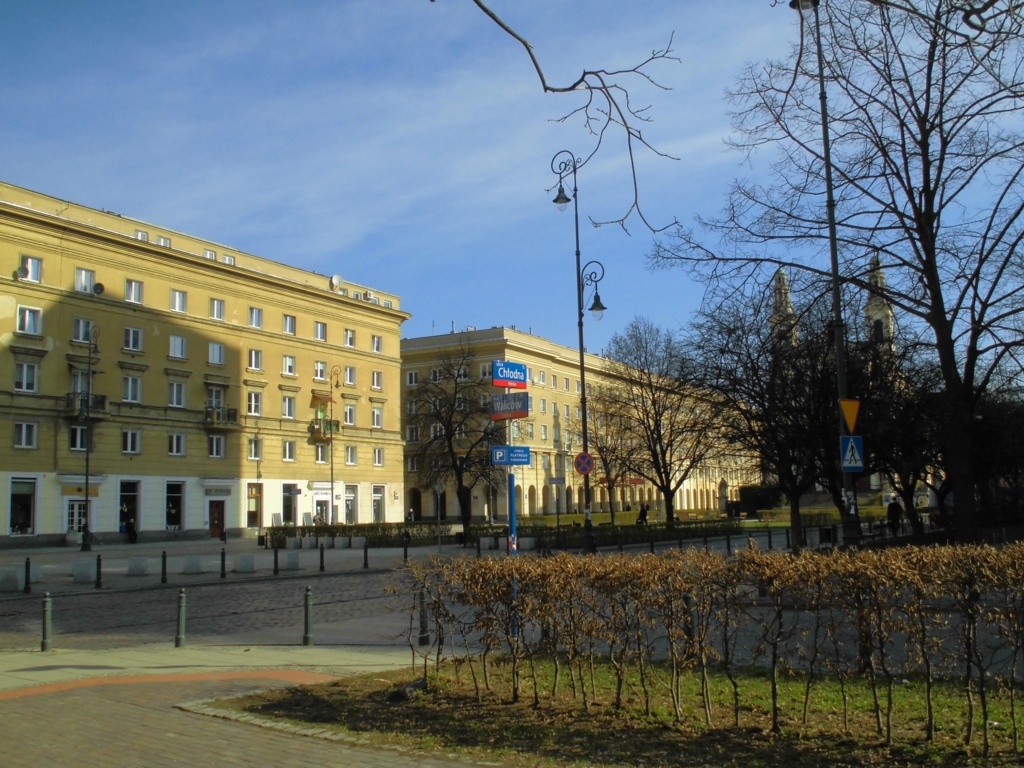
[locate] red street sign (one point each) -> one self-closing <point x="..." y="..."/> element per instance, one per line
<point x="584" y="463"/>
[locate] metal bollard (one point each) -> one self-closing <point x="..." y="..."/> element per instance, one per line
<point x="478" y="546"/>
<point x="223" y="564"/>
<point x="307" y="635"/>
<point x="424" y="626"/>
<point x="179" y="639"/>
<point x="652" y="543"/>
<point x="47" y="644"/>
<point x="705" y="543"/>
<point x="28" y="575"/>
<point x="405" y="547"/>
<point x="163" y="567"/>
<point x="321" y="558"/>
<point x="366" y="552"/>
<point x="769" y="538"/>
<point x="728" y="544"/>
<point x="99" y="571"/>
<point x="275" y="562"/>
<point x="788" y="545"/>
<point x="680" y="542"/>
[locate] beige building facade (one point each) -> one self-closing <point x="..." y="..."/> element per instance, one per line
<point x="208" y="389"/>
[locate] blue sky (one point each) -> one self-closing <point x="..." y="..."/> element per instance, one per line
<point x="401" y="143"/>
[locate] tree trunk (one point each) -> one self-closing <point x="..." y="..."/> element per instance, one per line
<point x="465" y="510"/>
<point x="796" y="528"/>
<point x="959" y="454"/>
<point x="669" y="497"/>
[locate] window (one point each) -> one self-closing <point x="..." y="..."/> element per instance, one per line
<point x="545" y="462"/>
<point x="176" y="394"/>
<point x="216" y="309"/>
<point x="255" y="360"/>
<point x="255" y="317"/>
<point x="378" y="380"/>
<point x="350" y="337"/>
<point x="228" y="259"/>
<point x="179" y="301"/>
<point x="33" y="269"/>
<point x="23" y="506"/>
<point x="350" y="375"/>
<point x="131" y="389"/>
<point x="288" y="365"/>
<point x="133" y="291"/>
<point x="578" y="412"/>
<point x="131" y="441"/>
<point x="412" y="407"/>
<point x="79" y="436"/>
<point x="208" y="254"/>
<point x="143" y="236"/>
<point x="565" y="410"/>
<point x="81" y="330"/>
<point x="412" y="377"/>
<point x="414" y="464"/>
<point x="378" y="344"/>
<point x="216" y="446"/>
<point x="288" y="450"/>
<point x="378" y="457"/>
<point x="215" y="397"/>
<point x="177" y="347"/>
<point x="565" y="383"/>
<point x="554" y="381"/>
<point x="543" y="377"/>
<point x="543" y="405"/>
<point x="544" y="432"/>
<point x="485" y="371"/>
<point x="320" y="331"/>
<point x="436" y="374"/>
<point x="350" y="455"/>
<point x="30" y="320"/>
<point x="412" y="434"/>
<point x="378" y="418"/>
<point x="255" y="449"/>
<point x="254" y="403"/>
<point x="164" y="241"/>
<point x="216" y="353"/>
<point x="529" y="373"/>
<point x="289" y="324"/>
<point x="321" y="453"/>
<point x="288" y="407"/>
<point x="529" y="431"/>
<point x="85" y="279"/>
<point x="350" y="415"/>
<point x="26" y="377"/>
<point x="529" y="402"/>
<point x="436" y="431"/>
<point x="25" y="434"/>
<point x="590" y="390"/>
<point x="319" y="370"/>
<point x="133" y="339"/>
<point x="176" y="444"/>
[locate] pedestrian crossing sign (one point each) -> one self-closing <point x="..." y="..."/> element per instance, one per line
<point x="851" y="451"/>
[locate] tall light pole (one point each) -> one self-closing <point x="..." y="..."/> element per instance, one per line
<point x="86" y="413"/>
<point x="335" y="375"/>
<point x="562" y="164"/>
<point x="807" y="8"/>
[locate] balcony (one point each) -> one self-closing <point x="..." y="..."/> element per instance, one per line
<point x="323" y="429"/>
<point x="220" y="416"/>
<point x="77" y="403"/>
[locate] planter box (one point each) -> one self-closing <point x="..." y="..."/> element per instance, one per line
<point x="193" y="565"/>
<point x="73" y="539"/>
<point x="328" y="542"/>
<point x="291" y="562"/>
<point x="245" y="564"/>
<point x="357" y="542"/>
<point x="12" y="579"/>
<point x="138" y="566"/>
<point x="83" y="571"/>
<point x="295" y="542"/>
<point x="527" y="543"/>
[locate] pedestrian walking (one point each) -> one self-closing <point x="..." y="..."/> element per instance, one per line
<point x="132" y="531"/>
<point x="894" y="516"/>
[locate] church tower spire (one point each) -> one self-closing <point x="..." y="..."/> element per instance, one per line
<point x="878" y="312"/>
<point x="783" y="317"/>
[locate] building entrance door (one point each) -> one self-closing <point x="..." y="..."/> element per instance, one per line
<point x="78" y="513"/>
<point x="216" y="519"/>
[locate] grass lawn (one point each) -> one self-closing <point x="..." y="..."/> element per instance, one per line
<point x="449" y="719"/>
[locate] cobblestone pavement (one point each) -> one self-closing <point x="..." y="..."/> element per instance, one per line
<point x="137" y="725"/>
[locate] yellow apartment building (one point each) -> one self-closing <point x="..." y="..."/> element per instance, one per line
<point x="549" y="485"/>
<point x="192" y="388"/>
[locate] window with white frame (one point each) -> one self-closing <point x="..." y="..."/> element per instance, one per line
<point x="176" y="394"/>
<point x="436" y="431"/>
<point x="321" y="453"/>
<point x="33" y="269"/>
<point x="227" y="259"/>
<point x="578" y="412"/>
<point x="529" y="431"/>
<point x="529" y="373"/>
<point x="78" y="435"/>
<point x="131" y="441"/>
<point x="163" y="240"/>
<point x="131" y="389"/>
<point x="436" y="374"/>
<point x="578" y="388"/>
<point x="255" y="317"/>
<point x="288" y="365"/>
<point x="288" y="450"/>
<point x="554" y="381"/>
<point x="412" y="407"/>
<point x="320" y="370"/>
<point x="208" y="254"/>
<point x="378" y="344"/>
<point x="133" y="339"/>
<point x="414" y="463"/>
<point x="350" y="337"/>
<point x="255" y="449"/>
<point x="133" y="291"/>
<point x="543" y="377"/>
<point x="412" y="377"/>
<point x="85" y="280"/>
<point x="177" y="347"/>
<point x="254" y="403"/>
<point x="545" y="461"/>
<point x="216" y="309"/>
<point x="81" y="330"/>
<point x="412" y="434"/>
<point x="350" y="415"/>
<point x="529" y="402"/>
<point x="141" y="235"/>
<point x="378" y="380"/>
<point x="26" y="377"/>
<point x="485" y="371"/>
<point x="543" y="405"/>
<point x="590" y="390"/>
<point x="288" y="326"/>
<point x="179" y="300"/>
<point x="216" y="356"/>
<point x="176" y="444"/>
<point x="320" y="331"/>
<point x="287" y="407"/>
<point x="255" y="359"/>
<point x="30" y="320"/>
<point x="350" y="455"/>
<point x="565" y="410"/>
<point x="215" y="446"/>
<point x="350" y="375"/>
<point x="26" y="434"/>
<point x="378" y="457"/>
<point x="378" y="418"/>
<point x="565" y="383"/>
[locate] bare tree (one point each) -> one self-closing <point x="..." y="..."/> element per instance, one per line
<point x="610" y="437"/>
<point x="448" y="420"/>
<point x="671" y="422"/>
<point x="928" y="160"/>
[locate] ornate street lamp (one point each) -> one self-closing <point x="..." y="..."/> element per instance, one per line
<point x="85" y="414"/>
<point x="335" y="376"/>
<point x="562" y="164"/>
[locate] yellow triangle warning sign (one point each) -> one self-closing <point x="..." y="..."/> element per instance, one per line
<point x="850" y="410"/>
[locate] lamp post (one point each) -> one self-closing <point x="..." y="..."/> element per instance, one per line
<point x="335" y="375"/>
<point x="86" y="413"/>
<point x="851" y="520"/>
<point x="562" y="164"/>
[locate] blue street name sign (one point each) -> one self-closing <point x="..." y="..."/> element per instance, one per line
<point x="510" y="455"/>
<point x="513" y="405"/>
<point x="851" y="449"/>
<point x="504" y="374"/>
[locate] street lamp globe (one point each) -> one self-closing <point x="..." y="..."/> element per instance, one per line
<point x="561" y="199"/>
<point x="597" y="308"/>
